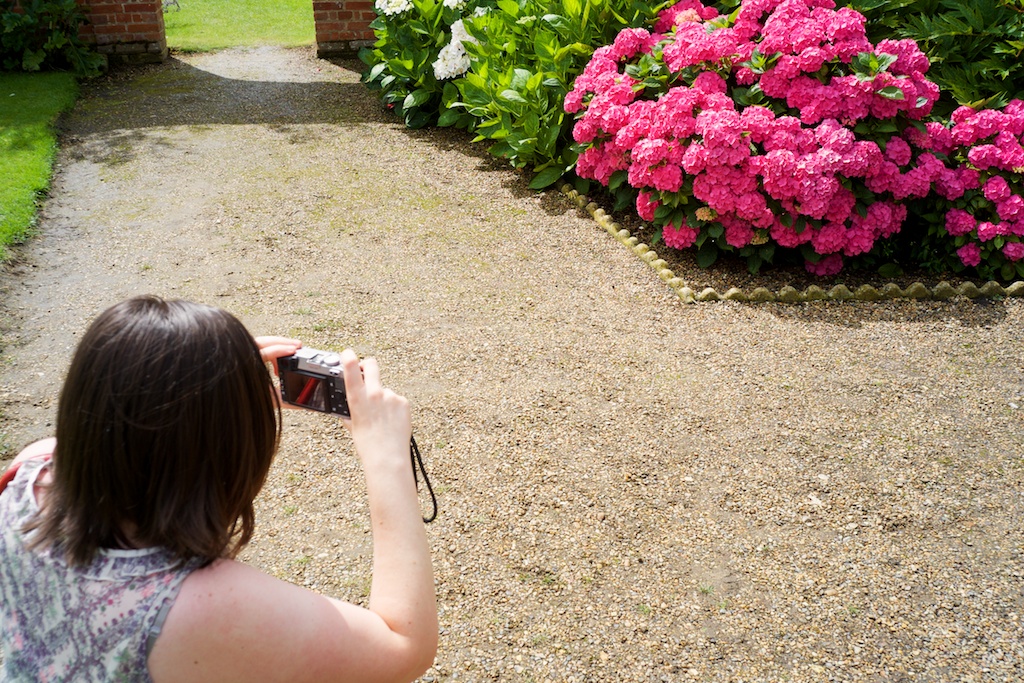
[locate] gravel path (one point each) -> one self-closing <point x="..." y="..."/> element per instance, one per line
<point x="631" y="489"/>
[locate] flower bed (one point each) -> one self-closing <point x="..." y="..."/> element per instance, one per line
<point x="782" y="126"/>
<point x="776" y="132"/>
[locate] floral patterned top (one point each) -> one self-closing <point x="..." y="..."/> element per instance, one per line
<point x="61" y="623"/>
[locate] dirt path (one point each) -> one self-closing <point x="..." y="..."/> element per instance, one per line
<point x="631" y="489"/>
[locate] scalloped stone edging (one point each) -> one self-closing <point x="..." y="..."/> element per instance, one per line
<point x="941" y="291"/>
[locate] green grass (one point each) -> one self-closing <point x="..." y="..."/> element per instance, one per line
<point x="205" y="25"/>
<point x="29" y="105"/>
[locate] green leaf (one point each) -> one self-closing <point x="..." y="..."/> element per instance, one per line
<point x="883" y="60"/>
<point x="548" y="138"/>
<point x="707" y="254"/>
<point x="520" y="78"/>
<point x="512" y="96"/>
<point x="31" y="60"/>
<point x="531" y="124"/>
<point x="418" y="118"/>
<point x="416" y="98"/>
<point x="549" y="176"/>
<point x="890" y="270"/>
<point x="500" y="149"/>
<point x="509" y="7"/>
<point x="557" y="22"/>
<point x="448" y="118"/>
<point x="891" y="92"/>
<point x="616" y="179"/>
<point x="376" y="71"/>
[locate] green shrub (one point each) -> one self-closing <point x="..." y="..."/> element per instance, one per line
<point x="522" y="57"/>
<point x="526" y="56"/>
<point x="974" y="46"/>
<point x="44" y="35"/>
<point x="410" y="34"/>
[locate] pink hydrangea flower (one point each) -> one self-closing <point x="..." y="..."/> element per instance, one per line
<point x="685" y="11"/>
<point x="630" y="42"/>
<point x="788" y="236"/>
<point x="830" y="239"/>
<point x="898" y="151"/>
<point x="738" y="233"/>
<point x="970" y="254"/>
<point x="909" y="57"/>
<point x="1011" y="208"/>
<point x="996" y="189"/>
<point x="1014" y="251"/>
<point x="679" y="238"/>
<point x="987" y="231"/>
<point x="646" y="205"/>
<point x="959" y="222"/>
<point x="826" y="267"/>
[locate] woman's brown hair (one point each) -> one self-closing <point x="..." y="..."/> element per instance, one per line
<point x="166" y="429"/>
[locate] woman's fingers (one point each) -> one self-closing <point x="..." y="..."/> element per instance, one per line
<point x="371" y="374"/>
<point x="272" y="348"/>
<point x="353" y="376"/>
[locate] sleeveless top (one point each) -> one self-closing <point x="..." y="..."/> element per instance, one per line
<point x="93" y="623"/>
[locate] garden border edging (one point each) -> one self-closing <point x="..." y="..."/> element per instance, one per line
<point x="787" y="294"/>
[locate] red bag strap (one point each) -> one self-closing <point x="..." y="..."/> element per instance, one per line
<point x="8" y="476"/>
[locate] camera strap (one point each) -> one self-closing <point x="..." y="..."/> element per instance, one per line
<point x="417" y="463"/>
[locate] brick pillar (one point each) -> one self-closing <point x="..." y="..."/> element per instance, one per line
<point x="342" y="26"/>
<point x="128" y="31"/>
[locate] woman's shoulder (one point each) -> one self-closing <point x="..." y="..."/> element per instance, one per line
<point x="232" y="622"/>
<point x="37" y="450"/>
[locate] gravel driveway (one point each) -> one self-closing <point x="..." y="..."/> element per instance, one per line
<point x="631" y="489"/>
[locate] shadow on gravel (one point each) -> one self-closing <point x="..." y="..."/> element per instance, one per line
<point x="517" y="181"/>
<point x="178" y="94"/>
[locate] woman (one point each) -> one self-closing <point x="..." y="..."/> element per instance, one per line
<point x="118" y="536"/>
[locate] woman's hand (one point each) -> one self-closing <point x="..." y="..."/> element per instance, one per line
<point x="381" y="425"/>
<point x="272" y="348"/>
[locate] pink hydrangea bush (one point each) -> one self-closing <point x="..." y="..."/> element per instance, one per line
<point x="779" y="125"/>
<point x="981" y="192"/>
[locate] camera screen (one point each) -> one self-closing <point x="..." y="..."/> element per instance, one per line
<point x="304" y="390"/>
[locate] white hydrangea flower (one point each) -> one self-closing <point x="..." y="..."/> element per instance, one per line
<point x="392" y="7"/>
<point x="460" y="35"/>
<point x="454" y="4"/>
<point x="480" y="11"/>
<point x="452" y="60"/>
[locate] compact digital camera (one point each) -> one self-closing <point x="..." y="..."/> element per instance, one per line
<point x="314" y="379"/>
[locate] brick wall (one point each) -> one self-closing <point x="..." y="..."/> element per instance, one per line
<point x="129" y="31"/>
<point x="342" y="26"/>
<point x="132" y="31"/>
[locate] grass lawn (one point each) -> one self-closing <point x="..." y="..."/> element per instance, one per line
<point x="203" y="25"/>
<point x="29" y="105"/>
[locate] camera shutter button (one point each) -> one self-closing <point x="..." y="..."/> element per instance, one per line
<point x="332" y="359"/>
